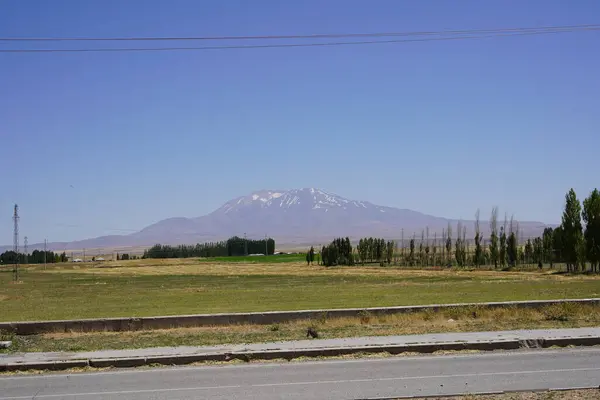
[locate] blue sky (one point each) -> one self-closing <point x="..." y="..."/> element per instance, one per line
<point x="95" y="142"/>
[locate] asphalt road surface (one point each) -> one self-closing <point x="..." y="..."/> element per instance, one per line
<point x="335" y="379"/>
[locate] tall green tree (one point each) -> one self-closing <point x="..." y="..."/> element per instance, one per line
<point x="511" y="249"/>
<point x="512" y="244"/>
<point x="363" y="250"/>
<point x="502" y="252"/>
<point x="494" y="250"/>
<point x="538" y="252"/>
<point x="548" y="246"/>
<point x="465" y="246"/>
<point x="422" y="249"/>
<point x="478" y="257"/>
<point x="310" y="256"/>
<point x="449" y="244"/>
<point x="591" y="216"/>
<point x="389" y="252"/>
<point x="528" y="251"/>
<point x="558" y="244"/>
<point x="434" y="249"/>
<point x="427" y="249"/>
<point x="572" y="231"/>
<point x="459" y="252"/>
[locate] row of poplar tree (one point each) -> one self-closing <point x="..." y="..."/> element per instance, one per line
<point x="341" y="252"/>
<point x="575" y="242"/>
<point x="234" y="246"/>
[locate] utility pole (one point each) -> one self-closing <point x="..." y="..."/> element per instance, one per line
<point x="266" y="247"/>
<point x="25" y="250"/>
<point x="16" y="243"/>
<point x="83" y="255"/>
<point x="245" y="245"/>
<point x="45" y="251"/>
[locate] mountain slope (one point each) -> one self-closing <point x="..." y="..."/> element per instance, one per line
<point x="311" y="213"/>
<point x="306" y="215"/>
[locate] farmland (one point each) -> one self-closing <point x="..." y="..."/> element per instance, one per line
<point x="186" y="286"/>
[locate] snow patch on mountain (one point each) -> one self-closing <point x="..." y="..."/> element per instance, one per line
<point x="309" y="198"/>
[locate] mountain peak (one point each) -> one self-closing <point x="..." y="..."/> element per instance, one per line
<point x="304" y="198"/>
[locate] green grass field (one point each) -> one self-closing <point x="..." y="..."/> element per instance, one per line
<point x="170" y="287"/>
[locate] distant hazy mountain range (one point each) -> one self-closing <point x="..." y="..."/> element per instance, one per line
<point x="298" y="216"/>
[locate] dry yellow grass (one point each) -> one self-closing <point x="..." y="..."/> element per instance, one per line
<point x="450" y="320"/>
<point x="191" y="266"/>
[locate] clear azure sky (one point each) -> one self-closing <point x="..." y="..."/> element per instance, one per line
<point x="95" y="143"/>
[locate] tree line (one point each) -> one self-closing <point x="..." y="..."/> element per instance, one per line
<point x="234" y="246"/>
<point x="36" y="257"/>
<point x="575" y="243"/>
<point x="368" y="250"/>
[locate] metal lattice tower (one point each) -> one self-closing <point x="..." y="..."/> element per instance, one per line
<point x="16" y="243"/>
<point x="25" y="250"/>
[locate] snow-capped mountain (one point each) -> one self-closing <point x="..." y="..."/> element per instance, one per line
<point x="312" y="213"/>
<point x="306" y="215"/>
<point x="315" y="199"/>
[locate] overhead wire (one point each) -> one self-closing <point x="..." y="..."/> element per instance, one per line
<point x="310" y="36"/>
<point x="458" y="35"/>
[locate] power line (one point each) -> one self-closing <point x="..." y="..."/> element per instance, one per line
<point x="292" y="45"/>
<point x="310" y="36"/>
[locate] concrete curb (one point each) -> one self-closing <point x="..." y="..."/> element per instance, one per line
<point x="265" y="318"/>
<point x="44" y="365"/>
<point x="131" y="362"/>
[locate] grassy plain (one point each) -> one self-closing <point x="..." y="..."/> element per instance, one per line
<point x="185" y="286"/>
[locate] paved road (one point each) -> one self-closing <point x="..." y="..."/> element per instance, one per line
<point x="335" y="379"/>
